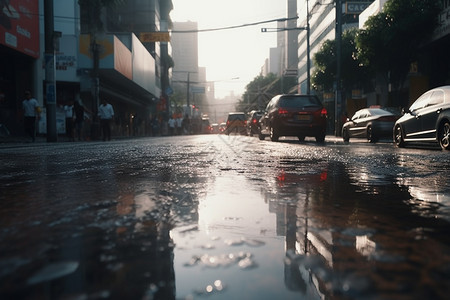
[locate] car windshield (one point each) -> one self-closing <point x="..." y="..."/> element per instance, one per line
<point x="299" y="101"/>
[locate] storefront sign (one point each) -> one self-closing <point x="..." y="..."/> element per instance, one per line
<point x="356" y="7"/>
<point x="19" y="26"/>
<point x="148" y="37"/>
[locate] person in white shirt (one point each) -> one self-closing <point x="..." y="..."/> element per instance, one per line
<point x="68" y="110"/>
<point x="31" y="110"/>
<point x="106" y="114"/>
<point x="172" y="124"/>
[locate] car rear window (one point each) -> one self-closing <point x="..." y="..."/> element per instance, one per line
<point x="299" y="101"/>
<point x="234" y="117"/>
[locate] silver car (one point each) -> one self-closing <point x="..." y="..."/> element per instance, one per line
<point x="427" y="120"/>
<point x="372" y="123"/>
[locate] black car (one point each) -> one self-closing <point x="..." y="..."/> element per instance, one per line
<point x="294" y="115"/>
<point x="236" y="122"/>
<point x="372" y="123"/>
<point x="252" y="122"/>
<point x="427" y="120"/>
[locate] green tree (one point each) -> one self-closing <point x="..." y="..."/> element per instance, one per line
<point x="259" y="91"/>
<point x="392" y="39"/>
<point x="354" y="75"/>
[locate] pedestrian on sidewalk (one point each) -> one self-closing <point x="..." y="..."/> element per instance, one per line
<point x="106" y="114"/>
<point x="31" y="112"/>
<point x="172" y="124"/>
<point x="80" y="115"/>
<point x="179" y="125"/>
<point x="69" y="112"/>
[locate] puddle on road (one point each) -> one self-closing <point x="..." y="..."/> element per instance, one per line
<point x="235" y="242"/>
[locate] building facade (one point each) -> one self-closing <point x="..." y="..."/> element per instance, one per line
<point x="129" y="71"/>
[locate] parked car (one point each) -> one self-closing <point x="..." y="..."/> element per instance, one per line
<point x="236" y="122"/>
<point x="252" y="122"/>
<point x="294" y="115"/>
<point x="372" y="123"/>
<point x="427" y="120"/>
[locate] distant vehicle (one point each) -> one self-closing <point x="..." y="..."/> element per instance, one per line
<point x="252" y="122"/>
<point x="206" y="127"/>
<point x="236" y="122"/>
<point x="372" y="123"/>
<point x="294" y="115"/>
<point x="215" y="128"/>
<point x="222" y="127"/>
<point x="427" y="120"/>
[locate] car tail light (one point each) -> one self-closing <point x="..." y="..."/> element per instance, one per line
<point x="228" y="123"/>
<point x="322" y="113"/>
<point x="245" y="122"/>
<point x="254" y="121"/>
<point x="282" y="111"/>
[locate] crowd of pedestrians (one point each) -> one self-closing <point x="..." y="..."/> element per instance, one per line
<point x="78" y="120"/>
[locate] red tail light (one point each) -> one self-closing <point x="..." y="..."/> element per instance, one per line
<point x="228" y="123"/>
<point x="254" y="121"/>
<point x="322" y="113"/>
<point x="282" y="111"/>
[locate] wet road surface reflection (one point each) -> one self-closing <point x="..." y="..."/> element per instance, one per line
<point x="223" y="217"/>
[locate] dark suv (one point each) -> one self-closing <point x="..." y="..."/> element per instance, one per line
<point x="236" y="122"/>
<point x="252" y="122"/>
<point x="294" y="115"/>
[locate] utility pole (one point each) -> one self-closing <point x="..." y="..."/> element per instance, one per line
<point x="50" y="83"/>
<point x="188" y="93"/>
<point x="308" y="57"/>
<point x="338" y="38"/>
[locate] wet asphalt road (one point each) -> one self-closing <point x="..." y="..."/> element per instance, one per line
<point x="224" y="217"/>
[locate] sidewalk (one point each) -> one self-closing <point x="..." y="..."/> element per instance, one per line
<point x="16" y="141"/>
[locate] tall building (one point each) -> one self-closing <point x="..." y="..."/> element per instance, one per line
<point x="188" y="79"/>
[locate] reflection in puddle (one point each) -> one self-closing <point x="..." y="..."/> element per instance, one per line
<point x="232" y="233"/>
<point x="164" y="226"/>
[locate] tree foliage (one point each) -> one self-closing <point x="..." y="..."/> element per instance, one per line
<point x="392" y="39"/>
<point x="352" y="73"/>
<point x="259" y="91"/>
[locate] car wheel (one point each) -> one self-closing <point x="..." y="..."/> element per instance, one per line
<point x="444" y="135"/>
<point x="370" y="135"/>
<point x="273" y="134"/>
<point x="320" y="138"/>
<point x="301" y="138"/>
<point x="345" y="135"/>
<point x="398" y="137"/>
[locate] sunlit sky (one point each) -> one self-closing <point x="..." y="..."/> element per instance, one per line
<point x="231" y="53"/>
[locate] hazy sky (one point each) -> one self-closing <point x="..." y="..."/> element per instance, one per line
<point x="231" y="53"/>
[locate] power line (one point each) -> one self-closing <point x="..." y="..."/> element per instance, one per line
<point x="233" y="27"/>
